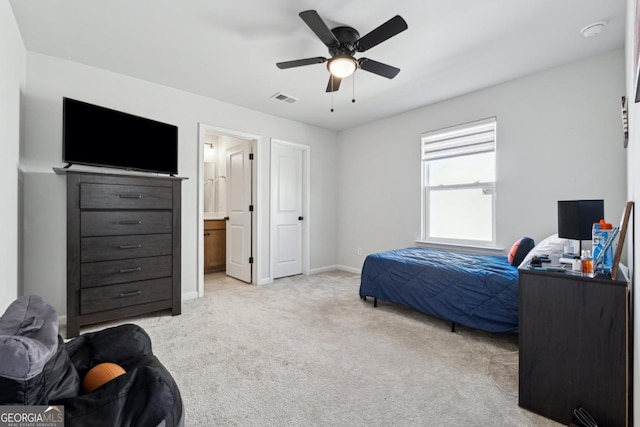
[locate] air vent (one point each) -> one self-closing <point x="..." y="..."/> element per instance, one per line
<point x="284" y="97"/>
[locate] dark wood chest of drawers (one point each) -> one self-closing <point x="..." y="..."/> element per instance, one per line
<point x="574" y="347"/>
<point x="123" y="246"/>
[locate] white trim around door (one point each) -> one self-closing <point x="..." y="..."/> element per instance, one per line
<point x="260" y="256"/>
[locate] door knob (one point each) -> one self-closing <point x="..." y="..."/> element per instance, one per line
<point x="300" y="218"/>
<point x="226" y="218"/>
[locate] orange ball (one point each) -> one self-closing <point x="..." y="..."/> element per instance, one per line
<point x="100" y="374"/>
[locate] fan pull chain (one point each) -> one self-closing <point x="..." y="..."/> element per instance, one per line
<point x="332" y="93"/>
<point x="353" y="96"/>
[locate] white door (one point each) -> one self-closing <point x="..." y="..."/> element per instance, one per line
<point x="239" y="211"/>
<point x="286" y="188"/>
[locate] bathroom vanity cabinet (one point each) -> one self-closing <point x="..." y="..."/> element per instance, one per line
<point x="215" y="236"/>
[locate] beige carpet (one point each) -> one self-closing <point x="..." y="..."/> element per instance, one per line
<point x="306" y="351"/>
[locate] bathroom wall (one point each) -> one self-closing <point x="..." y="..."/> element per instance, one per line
<point x="211" y="197"/>
<point x="215" y="175"/>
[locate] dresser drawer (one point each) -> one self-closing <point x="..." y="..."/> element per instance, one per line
<point x="124" y="247"/>
<point x="114" y="196"/>
<point x="102" y="298"/>
<point x="118" y="223"/>
<point x="126" y="270"/>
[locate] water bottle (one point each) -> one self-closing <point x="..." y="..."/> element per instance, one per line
<point x="602" y="231"/>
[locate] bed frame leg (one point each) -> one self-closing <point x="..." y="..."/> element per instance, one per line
<point x="375" y="302"/>
<point x="453" y="326"/>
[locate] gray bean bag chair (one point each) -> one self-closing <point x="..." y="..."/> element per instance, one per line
<point x="38" y="368"/>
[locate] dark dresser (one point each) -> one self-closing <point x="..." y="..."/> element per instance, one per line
<point x="123" y="246"/>
<point x="575" y="347"/>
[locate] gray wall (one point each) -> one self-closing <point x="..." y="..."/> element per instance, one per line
<point x="559" y="137"/>
<point x="12" y="83"/>
<point x="50" y="79"/>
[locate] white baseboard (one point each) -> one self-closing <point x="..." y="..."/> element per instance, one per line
<point x="322" y="269"/>
<point x="266" y="281"/>
<point x="189" y="295"/>
<point x="335" y="267"/>
<point x="349" y="269"/>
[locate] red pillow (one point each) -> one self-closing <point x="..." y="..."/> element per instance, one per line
<point x="519" y="250"/>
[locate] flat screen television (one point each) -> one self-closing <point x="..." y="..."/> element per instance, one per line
<point x="99" y="136"/>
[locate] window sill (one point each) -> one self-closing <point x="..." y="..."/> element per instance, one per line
<point x="494" y="250"/>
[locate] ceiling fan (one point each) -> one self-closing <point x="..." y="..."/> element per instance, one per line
<point x="343" y="42"/>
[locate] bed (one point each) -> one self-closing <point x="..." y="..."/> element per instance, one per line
<point x="478" y="291"/>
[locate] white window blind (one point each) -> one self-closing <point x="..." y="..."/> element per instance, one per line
<point x="476" y="137"/>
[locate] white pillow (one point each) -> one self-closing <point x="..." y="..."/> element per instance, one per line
<point x="551" y="245"/>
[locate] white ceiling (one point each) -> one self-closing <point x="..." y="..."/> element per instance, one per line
<point x="227" y="50"/>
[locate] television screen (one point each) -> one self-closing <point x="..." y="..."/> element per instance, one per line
<point x="99" y="136"/>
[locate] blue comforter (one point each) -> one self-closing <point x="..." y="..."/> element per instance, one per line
<point x="478" y="291"/>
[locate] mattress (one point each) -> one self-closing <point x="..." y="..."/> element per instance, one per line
<point x="478" y="291"/>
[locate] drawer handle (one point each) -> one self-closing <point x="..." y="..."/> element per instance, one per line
<point x="130" y="246"/>
<point x="129" y="294"/>
<point x="130" y="196"/>
<point x="130" y="222"/>
<point x="130" y="270"/>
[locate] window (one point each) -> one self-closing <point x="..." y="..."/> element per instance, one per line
<point x="458" y="183"/>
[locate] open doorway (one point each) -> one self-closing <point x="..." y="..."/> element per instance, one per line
<point x="226" y="220"/>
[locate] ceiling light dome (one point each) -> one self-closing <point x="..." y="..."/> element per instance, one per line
<point x="342" y="66"/>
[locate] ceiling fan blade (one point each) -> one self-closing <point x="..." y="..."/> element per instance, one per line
<point x="334" y="83"/>
<point x="301" y="62"/>
<point x="317" y="25"/>
<point x="378" y="68"/>
<point x="384" y="32"/>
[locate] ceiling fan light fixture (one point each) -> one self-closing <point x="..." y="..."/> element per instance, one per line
<point x="343" y="42"/>
<point x="342" y="66"/>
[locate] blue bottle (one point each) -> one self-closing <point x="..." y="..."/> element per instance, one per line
<point x="601" y="232"/>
